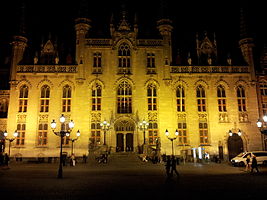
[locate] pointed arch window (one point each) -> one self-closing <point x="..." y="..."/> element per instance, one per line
<point x="221" y="97"/>
<point x="44" y="100"/>
<point x="66" y="99"/>
<point x="201" y="99"/>
<point x="23" y="98"/>
<point x="96" y="98"/>
<point x="152" y="133"/>
<point x="124" y="98"/>
<point x="180" y="99"/>
<point x="241" y="99"/>
<point x="152" y="97"/>
<point x="124" y="55"/>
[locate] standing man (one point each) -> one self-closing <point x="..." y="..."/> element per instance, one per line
<point x="254" y="164"/>
<point x="173" y="166"/>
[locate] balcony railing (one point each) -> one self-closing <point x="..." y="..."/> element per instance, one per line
<point x="47" y="69"/>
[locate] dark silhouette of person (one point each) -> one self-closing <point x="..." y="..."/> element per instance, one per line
<point x="6" y="159"/>
<point x="173" y="166"/>
<point x="168" y="165"/>
<point x="254" y="164"/>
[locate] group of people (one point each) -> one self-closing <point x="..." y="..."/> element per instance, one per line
<point x="250" y="166"/>
<point x="170" y="165"/>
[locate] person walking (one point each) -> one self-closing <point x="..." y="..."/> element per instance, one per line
<point x="248" y="163"/>
<point x="173" y="166"/>
<point x="73" y="160"/>
<point x="254" y="164"/>
<point x="6" y="159"/>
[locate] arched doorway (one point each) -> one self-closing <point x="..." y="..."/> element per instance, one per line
<point x="235" y="145"/>
<point x="124" y="136"/>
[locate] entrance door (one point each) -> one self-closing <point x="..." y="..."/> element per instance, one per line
<point x="120" y="145"/>
<point x="235" y="145"/>
<point x="129" y="142"/>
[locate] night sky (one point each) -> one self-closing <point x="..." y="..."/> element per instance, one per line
<point x="191" y="16"/>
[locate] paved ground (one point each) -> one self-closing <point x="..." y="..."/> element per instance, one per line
<point x="126" y="177"/>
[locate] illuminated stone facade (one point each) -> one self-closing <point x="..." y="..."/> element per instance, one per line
<point x="125" y="79"/>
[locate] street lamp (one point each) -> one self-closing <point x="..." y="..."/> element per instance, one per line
<point x="105" y="126"/>
<point x="73" y="140"/>
<point x="171" y="138"/>
<point x="15" y="134"/>
<point x="262" y="125"/>
<point x="239" y="133"/>
<point x="62" y="133"/>
<point x="143" y="126"/>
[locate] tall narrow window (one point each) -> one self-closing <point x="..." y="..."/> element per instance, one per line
<point x="66" y="99"/>
<point x="182" y="137"/>
<point x="241" y="99"/>
<point x="152" y="97"/>
<point x="96" y="98"/>
<point x="151" y="68"/>
<point x="203" y="133"/>
<point x="180" y="99"/>
<point x="263" y="88"/>
<point x="97" y="63"/>
<point x="201" y="99"/>
<point x="221" y="97"/>
<point x="152" y="133"/>
<point x="124" y="98"/>
<point x="66" y="139"/>
<point x="95" y="133"/>
<point x="23" y="98"/>
<point x="20" y="139"/>
<point x="45" y="95"/>
<point x="124" y="55"/>
<point x="42" y="134"/>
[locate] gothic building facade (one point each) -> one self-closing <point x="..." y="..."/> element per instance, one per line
<point x="124" y="79"/>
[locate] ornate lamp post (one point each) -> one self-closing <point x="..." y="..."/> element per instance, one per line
<point x="73" y="140"/>
<point x="62" y="133"/>
<point x="143" y="126"/>
<point x="172" y="138"/>
<point x="105" y="126"/>
<point x="262" y="125"/>
<point x="15" y="134"/>
<point x="239" y="133"/>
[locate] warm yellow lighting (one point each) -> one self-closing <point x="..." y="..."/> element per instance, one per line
<point x="239" y="132"/>
<point x="5" y="133"/>
<point x="15" y="133"/>
<point x="71" y="124"/>
<point x="264" y="118"/>
<point x="78" y="133"/>
<point x="230" y="133"/>
<point x="167" y="132"/>
<point x="176" y="132"/>
<point x="53" y="124"/>
<point x="62" y="119"/>
<point x="259" y="124"/>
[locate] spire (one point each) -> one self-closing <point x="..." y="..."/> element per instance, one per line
<point x="83" y="9"/>
<point x="243" y="24"/>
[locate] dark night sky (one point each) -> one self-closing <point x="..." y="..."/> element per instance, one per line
<point x="189" y="17"/>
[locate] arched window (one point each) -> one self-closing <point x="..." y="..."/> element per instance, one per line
<point x="180" y="99"/>
<point x="124" y="98"/>
<point x="201" y="99"/>
<point x="152" y="97"/>
<point x="44" y="100"/>
<point x="182" y="137"/>
<point x="124" y="55"/>
<point x="95" y="133"/>
<point x="241" y="98"/>
<point x="203" y="133"/>
<point x="20" y="139"/>
<point x="66" y="99"/>
<point x="3" y="108"/>
<point x="96" y="97"/>
<point x="152" y="133"/>
<point x="42" y="134"/>
<point x="221" y="97"/>
<point x="23" y="98"/>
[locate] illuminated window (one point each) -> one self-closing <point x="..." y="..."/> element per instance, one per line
<point x="3" y="108"/>
<point x="263" y="88"/>
<point x="20" y="139"/>
<point x="152" y="133"/>
<point x="124" y="98"/>
<point x="96" y="98"/>
<point x="95" y="133"/>
<point x="201" y="99"/>
<point x="182" y="137"/>
<point x="203" y="133"/>
<point x="124" y="55"/>
<point x="97" y="63"/>
<point x="23" y="98"/>
<point x="152" y="97"/>
<point x="180" y="99"/>
<point x="45" y="95"/>
<point x="42" y="135"/>
<point x="151" y="68"/>
<point x="241" y="99"/>
<point x="66" y="99"/>
<point x="221" y="97"/>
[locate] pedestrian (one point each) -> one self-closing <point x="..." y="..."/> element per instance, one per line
<point x="173" y="166"/>
<point x="168" y="165"/>
<point x="254" y="164"/>
<point x="1" y="159"/>
<point x="73" y="160"/>
<point x="84" y="158"/>
<point x="6" y="159"/>
<point x="248" y="163"/>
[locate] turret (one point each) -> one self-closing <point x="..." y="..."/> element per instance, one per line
<point x="246" y="43"/>
<point x="19" y="44"/>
